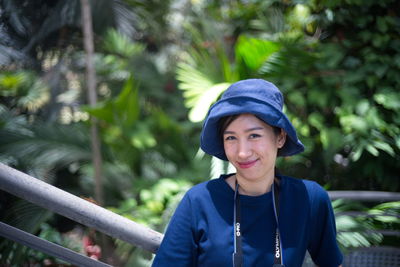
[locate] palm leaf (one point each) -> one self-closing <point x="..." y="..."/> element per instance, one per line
<point x="36" y="96"/>
<point x="43" y="148"/>
<point x="292" y="59"/>
<point x="210" y="54"/>
<point x="125" y="20"/>
<point x="199" y="91"/>
<point x="269" y="20"/>
<point x="254" y="52"/>
<point x="117" y="43"/>
<point x="28" y="91"/>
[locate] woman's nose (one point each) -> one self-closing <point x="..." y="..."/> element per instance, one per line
<point x="244" y="149"/>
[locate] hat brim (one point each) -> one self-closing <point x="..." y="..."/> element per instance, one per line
<point x="211" y="141"/>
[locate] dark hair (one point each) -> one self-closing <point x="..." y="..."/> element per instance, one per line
<point x="224" y="122"/>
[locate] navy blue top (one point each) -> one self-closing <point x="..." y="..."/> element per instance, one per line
<point x="200" y="232"/>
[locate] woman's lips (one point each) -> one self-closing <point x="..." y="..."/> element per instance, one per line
<point x="247" y="164"/>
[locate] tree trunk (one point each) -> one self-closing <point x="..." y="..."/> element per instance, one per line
<point x="92" y="97"/>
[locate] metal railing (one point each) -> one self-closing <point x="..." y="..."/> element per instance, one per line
<point x="367" y="196"/>
<point x="47" y="247"/>
<point x="75" y="208"/>
<point x="103" y="220"/>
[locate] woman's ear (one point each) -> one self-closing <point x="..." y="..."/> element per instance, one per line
<point x="281" y="138"/>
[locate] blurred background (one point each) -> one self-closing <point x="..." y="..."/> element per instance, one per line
<point x="158" y="66"/>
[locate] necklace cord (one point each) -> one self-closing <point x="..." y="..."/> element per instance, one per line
<point x="237" y="256"/>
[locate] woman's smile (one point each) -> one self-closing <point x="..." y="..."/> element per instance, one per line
<point x="247" y="164"/>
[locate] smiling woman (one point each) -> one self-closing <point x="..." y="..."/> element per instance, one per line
<point x="254" y="217"/>
<point x="252" y="146"/>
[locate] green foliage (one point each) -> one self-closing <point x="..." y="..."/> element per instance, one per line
<point x="17" y="255"/>
<point x="198" y="90"/>
<point x="24" y="216"/>
<point x="266" y="50"/>
<point x="339" y="87"/>
<point x="119" y="44"/>
<point x="153" y="202"/>
<point x="153" y="208"/>
<point x="360" y="229"/>
<point x="354" y="231"/>
<point x="386" y="215"/>
<point x="123" y="110"/>
<point x="41" y="149"/>
<point x="50" y="234"/>
<point x="24" y="90"/>
<point x="254" y="52"/>
<point x="197" y="84"/>
<point x="133" y="135"/>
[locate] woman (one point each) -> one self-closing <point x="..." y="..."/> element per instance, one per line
<point x="254" y="217"/>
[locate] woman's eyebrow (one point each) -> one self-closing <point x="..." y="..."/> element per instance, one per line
<point x="229" y="132"/>
<point x="247" y="130"/>
<point x="254" y="129"/>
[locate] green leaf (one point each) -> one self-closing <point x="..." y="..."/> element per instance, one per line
<point x="357" y="153"/>
<point x="331" y="138"/>
<point x="9" y="83"/>
<point x="354" y="123"/>
<point x="297" y="98"/>
<point x="142" y="138"/>
<point x="124" y="110"/>
<point x="126" y="105"/>
<point x="199" y="91"/>
<point x="200" y="109"/>
<point x="390" y="100"/>
<point x="254" y="52"/>
<point x="192" y="82"/>
<point x="385" y="147"/>
<point x="102" y="110"/>
<point x="29" y="90"/>
<point x="117" y="43"/>
<point x="371" y="149"/>
<point x="395" y="205"/>
<point x="316" y="120"/>
<point x="362" y="107"/>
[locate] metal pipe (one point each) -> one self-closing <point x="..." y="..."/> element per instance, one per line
<point x="47" y="247"/>
<point x="372" y="196"/>
<point x="77" y="209"/>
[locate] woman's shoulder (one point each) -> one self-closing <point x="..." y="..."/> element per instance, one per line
<point x="303" y="186"/>
<point x="206" y="188"/>
<point x="303" y="183"/>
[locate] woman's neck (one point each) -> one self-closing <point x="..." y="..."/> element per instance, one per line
<point x="250" y="188"/>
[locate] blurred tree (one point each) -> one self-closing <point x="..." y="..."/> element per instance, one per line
<point x="31" y="30"/>
<point x="87" y="29"/>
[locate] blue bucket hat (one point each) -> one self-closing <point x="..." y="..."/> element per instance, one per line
<point x="255" y="96"/>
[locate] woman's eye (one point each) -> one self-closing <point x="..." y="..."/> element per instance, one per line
<point x="227" y="138"/>
<point x="252" y="136"/>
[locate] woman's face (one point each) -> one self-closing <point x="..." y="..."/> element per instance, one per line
<point x="252" y="146"/>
